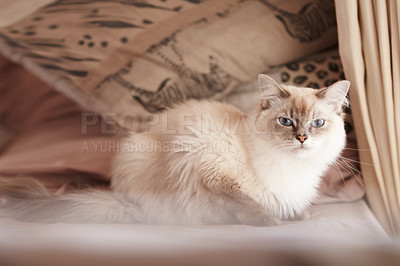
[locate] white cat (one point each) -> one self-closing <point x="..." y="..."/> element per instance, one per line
<point x="206" y="162"/>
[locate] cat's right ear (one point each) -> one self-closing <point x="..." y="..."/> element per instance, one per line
<point x="271" y="92"/>
<point x="335" y="95"/>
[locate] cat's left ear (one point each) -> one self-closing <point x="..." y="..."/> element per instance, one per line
<point x="335" y="95"/>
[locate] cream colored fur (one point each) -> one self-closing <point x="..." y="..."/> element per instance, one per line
<point x="206" y="162"/>
<point x="253" y="179"/>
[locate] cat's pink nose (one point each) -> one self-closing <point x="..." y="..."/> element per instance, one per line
<point x="301" y="138"/>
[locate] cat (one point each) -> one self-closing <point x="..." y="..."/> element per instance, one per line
<point x="206" y="162"/>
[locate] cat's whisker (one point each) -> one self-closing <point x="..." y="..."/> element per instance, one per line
<point x="341" y="163"/>
<point x="363" y="174"/>
<point x="348" y="159"/>
<point x="281" y="146"/>
<point x="340" y="172"/>
<point x="353" y="169"/>
<point x="353" y="149"/>
<point x="347" y="170"/>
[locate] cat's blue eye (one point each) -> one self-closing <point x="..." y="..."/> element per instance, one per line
<point x="318" y="123"/>
<point x="285" y="121"/>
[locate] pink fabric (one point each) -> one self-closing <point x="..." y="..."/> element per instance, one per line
<point x="48" y="142"/>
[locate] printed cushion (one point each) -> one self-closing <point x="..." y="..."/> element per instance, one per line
<point x="144" y="56"/>
<point x="317" y="72"/>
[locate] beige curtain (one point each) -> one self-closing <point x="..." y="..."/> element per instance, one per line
<point x="369" y="46"/>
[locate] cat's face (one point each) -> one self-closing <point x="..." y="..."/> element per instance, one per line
<point x="301" y="121"/>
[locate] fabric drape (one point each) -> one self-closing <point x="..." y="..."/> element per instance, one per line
<point x="369" y="47"/>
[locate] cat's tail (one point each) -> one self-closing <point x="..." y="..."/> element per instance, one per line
<point x="26" y="199"/>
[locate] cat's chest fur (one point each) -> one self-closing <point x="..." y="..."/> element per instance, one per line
<point x="289" y="184"/>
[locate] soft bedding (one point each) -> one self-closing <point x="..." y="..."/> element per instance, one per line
<point x="43" y="136"/>
<point x="335" y="226"/>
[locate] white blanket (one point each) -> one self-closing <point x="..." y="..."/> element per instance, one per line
<point x="330" y="225"/>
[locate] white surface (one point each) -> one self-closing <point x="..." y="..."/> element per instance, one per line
<point x="332" y="228"/>
<point x="347" y="222"/>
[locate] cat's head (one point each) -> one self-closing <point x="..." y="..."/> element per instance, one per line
<point x="302" y="121"/>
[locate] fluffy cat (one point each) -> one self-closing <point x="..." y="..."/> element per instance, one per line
<point x="206" y="162"/>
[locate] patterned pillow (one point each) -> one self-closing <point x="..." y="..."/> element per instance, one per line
<point x="144" y="56"/>
<point x="317" y="72"/>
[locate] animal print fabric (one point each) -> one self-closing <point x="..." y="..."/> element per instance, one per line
<point x="319" y="71"/>
<point x="142" y="56"/>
